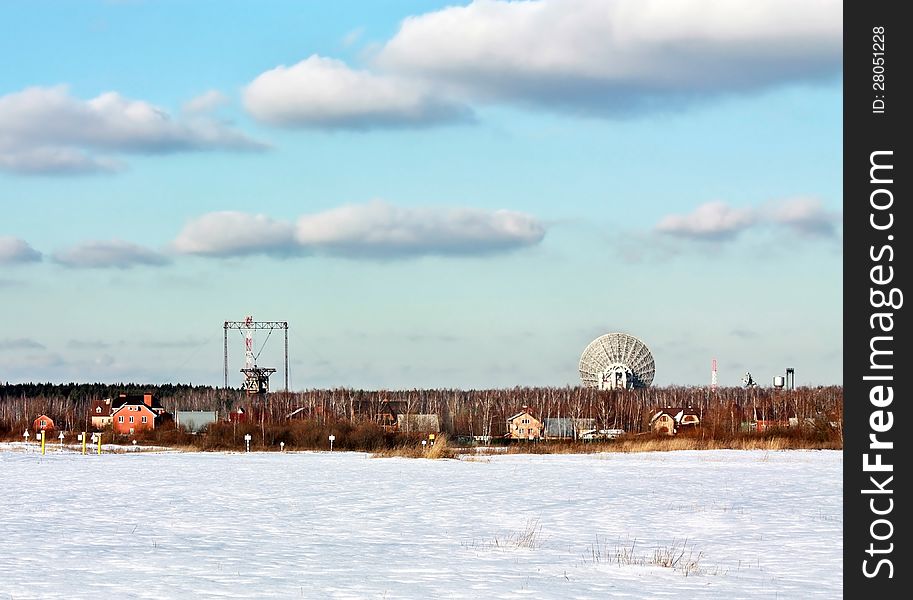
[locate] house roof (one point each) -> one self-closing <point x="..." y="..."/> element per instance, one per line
<point x="566" y="426"/>
<point x="134" y="400"/>
<point x="104" y="405"/>
<point x="676" y="413"/>
<point x="520" y="414"/>
<point x="126" y="408"/>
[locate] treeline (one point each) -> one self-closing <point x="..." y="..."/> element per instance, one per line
<point x="461" y="412"/>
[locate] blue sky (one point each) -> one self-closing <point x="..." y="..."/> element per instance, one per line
<point x="431" y="195"/>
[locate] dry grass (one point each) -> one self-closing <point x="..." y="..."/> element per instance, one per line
<point x="440" y="449"/>
<point x="529" y="538"/>
<point x="678" y="556"/>
<point x="668" y="444"/>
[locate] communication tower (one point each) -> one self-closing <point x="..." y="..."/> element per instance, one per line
<point x="256" y="378"/>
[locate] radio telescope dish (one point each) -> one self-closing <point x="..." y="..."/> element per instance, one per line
<point x="617" y="361"/>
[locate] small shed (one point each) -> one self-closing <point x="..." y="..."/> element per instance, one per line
<point x="238" y="415"/>
<point x="44" y="423"/>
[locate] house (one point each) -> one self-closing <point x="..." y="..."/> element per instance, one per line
<point x="238" y="416"/>
<point x="418" y="423"/>
<point x="670" y="421"/>
<point x="385" y="413"/>
<point x="44" y="423"/>
<point x="138" y="413"/>
<point x="524" y="426"/>
<point x="567" y="428"/>
<point x="100" y="411"/>
<point x="195" y="421"/>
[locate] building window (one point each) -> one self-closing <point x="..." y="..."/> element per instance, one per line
<point x="43" y="423"/>
<point x="120" y="419"/>
<point x="144" y="418"/>
<point x="131" y="418"/>
<point x="98" y="410"/>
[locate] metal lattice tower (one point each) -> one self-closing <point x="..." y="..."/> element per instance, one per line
<point x="713" y="377"/>
<point x="617" y="361"/>
<point x="254" y="375"/>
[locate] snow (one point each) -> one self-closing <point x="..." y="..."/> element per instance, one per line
<point x="345" y="525"/>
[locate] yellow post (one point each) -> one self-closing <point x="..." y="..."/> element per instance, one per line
<point x="99" y="443"/>
<point x="83" y="442"/>
<point x="42" y="442"/>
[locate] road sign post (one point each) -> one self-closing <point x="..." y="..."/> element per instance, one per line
<point x="60" y="437"/>
<point x="247" y="439"/>
<point x="332" y="439"/>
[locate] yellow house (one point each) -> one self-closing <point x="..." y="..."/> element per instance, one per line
<point x="524" y="426"/>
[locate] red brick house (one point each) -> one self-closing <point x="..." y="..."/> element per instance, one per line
<point x="44" y="423"/>
<point x="137" y="413"/>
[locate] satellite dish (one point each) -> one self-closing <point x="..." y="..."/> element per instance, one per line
<point x="617" y="361"/>
<point x="748" y="381"/>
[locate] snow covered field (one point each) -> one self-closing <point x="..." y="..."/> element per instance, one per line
<point x="343" y="525"/>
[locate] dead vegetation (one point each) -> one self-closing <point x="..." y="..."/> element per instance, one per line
<point x="679" y="556"/>
<point x="783" y="440"/>
<point x="530" y="537"/>
<point x="439" y="449"/>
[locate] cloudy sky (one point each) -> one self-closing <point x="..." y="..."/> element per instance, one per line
<point x="431" y="194"/>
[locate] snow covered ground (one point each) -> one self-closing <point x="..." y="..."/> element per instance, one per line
<point x="343" y="525"/>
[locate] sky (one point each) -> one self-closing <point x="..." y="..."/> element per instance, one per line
<point x="432" y="194"/>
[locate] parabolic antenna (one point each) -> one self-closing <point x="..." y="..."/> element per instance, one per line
<point x="617" y="361"/>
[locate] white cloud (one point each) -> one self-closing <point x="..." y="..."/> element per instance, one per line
<point x="709" y="221"/>
<point x="206" y="102"/>
<point x="806" y="216"/>
<point x="116" y="254"/>
<point x="606" y="56"/>
<point x="352" y="37"/>
<point x="325" y="93"/>
<point x="231" y="233"/>
<point x="16" y="251"/>
<point x="17" y="344"/>
<point x="380" y="230"/>
<point x="376" y="230"/>
<point x="46" y="130"/>
<point x="716" y="221"/>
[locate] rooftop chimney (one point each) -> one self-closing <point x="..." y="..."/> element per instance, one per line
<point x="147" y="400"/>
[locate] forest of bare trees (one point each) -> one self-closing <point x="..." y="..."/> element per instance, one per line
<point x="461" y="412"/>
